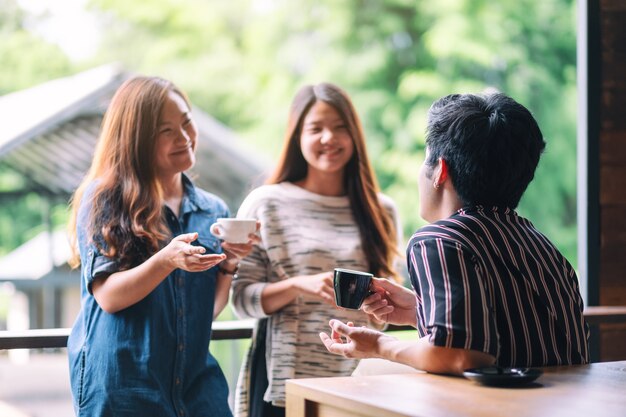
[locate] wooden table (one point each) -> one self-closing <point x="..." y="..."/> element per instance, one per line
<point x="596" y="390"/>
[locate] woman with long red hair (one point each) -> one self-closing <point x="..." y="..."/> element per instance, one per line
<point x="151" y="285"/>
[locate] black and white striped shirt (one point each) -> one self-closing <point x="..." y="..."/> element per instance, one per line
<point x="488" y="280"/>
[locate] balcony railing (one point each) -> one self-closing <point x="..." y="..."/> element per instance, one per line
<point x="242" y="329"/>
<point x="57" y="338"/>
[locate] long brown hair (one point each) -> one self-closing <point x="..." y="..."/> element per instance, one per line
<point x="125" y="219"/>
<point x="377" y="229"/>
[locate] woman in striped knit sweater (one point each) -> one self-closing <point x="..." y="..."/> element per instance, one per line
<point x="321" y="209"/>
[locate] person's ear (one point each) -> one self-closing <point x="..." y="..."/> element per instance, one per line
<point x="441" y="173"/>
<point x="443" y="177"/>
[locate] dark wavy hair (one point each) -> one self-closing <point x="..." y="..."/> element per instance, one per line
<point x="491" y="144"/>
<point x="126" y="220"/>
<point x="377" y="229"/>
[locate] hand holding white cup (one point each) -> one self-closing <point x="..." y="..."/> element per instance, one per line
<point x="233" y="230"/>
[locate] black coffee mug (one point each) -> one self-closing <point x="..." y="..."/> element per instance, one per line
<point x="351" y="287"/>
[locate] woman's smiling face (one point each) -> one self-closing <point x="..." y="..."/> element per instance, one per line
<point x="176" y="137"/>
<point x="325" y="142"/>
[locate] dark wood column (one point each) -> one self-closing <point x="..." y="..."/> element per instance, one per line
<point x="604" y="96"/>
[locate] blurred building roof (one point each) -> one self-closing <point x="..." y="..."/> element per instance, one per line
<point x="51" y="131"/>
<point x="36" y="258"/>
<point x="48" y="137"/>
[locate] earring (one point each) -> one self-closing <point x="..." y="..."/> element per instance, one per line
<point x="436" y="185"/>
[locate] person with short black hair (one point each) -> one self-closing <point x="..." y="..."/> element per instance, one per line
<point x="488" y="287"/>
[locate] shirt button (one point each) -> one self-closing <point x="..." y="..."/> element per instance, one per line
<point x="180" y="312"/>
<point x="180" y="282"/>
<point x="181" y="412"/>
<point x="181" y="347"/>
<point x="177" y="381"/>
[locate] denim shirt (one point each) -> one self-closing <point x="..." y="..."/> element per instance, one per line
<point x="151" y="358"/>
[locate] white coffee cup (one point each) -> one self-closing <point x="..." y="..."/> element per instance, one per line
<point x="233" y="230"/>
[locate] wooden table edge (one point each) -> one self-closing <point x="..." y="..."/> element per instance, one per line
<point x="301" y="397"/>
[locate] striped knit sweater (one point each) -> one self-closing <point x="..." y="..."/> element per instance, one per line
<point x="302" y="234"/>
<point x="487" y="280"/>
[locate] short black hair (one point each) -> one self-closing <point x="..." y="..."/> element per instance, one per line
<point x="491" y="144"/>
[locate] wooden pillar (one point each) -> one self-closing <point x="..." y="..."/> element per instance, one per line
<point x="602" y="86"/>
<point x="613" y="173"/>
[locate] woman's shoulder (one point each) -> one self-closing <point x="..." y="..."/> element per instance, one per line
<point x="212" y="200"/>
<point x="86" y="202"/>
<point x="205" y="200"/>
<point x="386" y="201"/>
<point x="388" y="204"/>
<point x="260" y="197"/>
<point x="268" y="191"/>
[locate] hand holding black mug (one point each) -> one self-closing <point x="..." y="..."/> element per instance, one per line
<point x="351" y="287"/>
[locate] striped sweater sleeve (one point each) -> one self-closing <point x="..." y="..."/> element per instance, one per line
<point x="254" y="272"/>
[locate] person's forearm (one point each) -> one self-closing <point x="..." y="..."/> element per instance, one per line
<point x="278" y="294"/>
<point x="222" y="288"/>
<point x="126" y="288"/>
<point x="427" y="357"/>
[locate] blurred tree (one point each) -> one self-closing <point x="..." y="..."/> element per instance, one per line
<point x="26" y="60"/>
<point x="243" y="60"/>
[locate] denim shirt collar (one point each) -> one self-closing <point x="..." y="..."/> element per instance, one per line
<point x="192" y="200"/>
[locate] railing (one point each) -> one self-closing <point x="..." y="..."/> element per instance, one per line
<point x="603" y="315"/>
<point x="239" y="329"/>
<point x="57" y="338"/>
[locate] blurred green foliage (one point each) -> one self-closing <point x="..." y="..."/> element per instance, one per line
<point x="25" y="58"/>
<point x="242" y="61"/>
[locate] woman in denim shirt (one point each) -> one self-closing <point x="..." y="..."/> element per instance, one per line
<point x="150" y="285"/>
